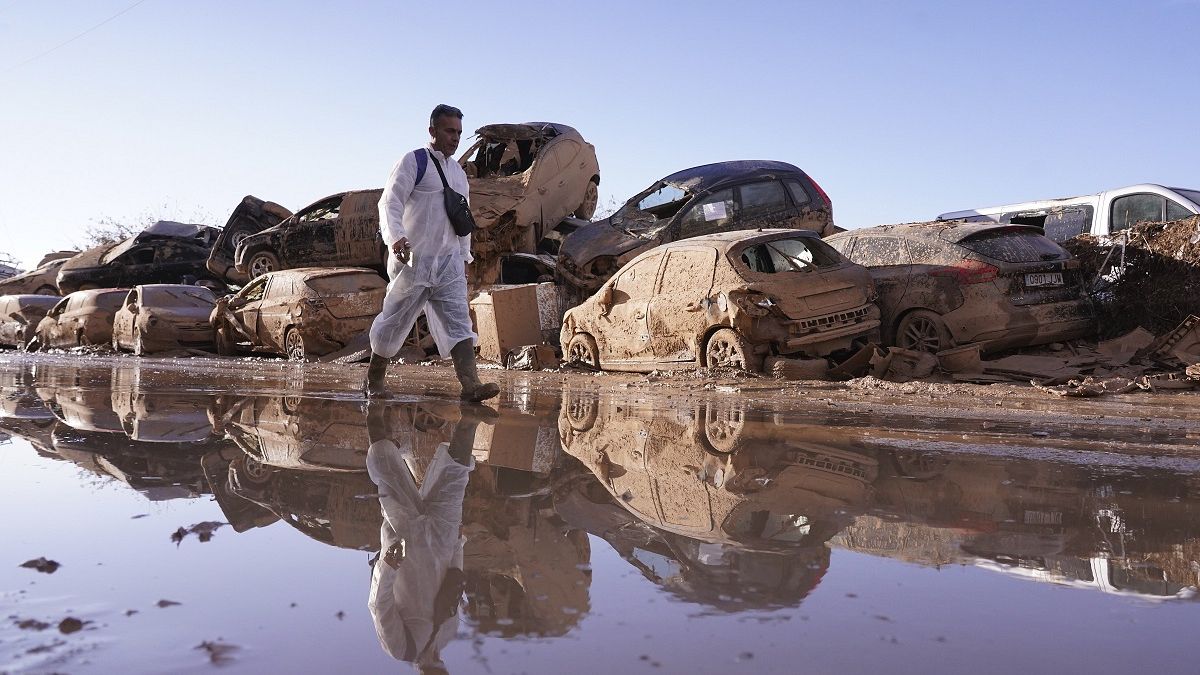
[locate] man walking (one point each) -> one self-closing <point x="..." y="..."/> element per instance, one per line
<point x="427" y="261"/>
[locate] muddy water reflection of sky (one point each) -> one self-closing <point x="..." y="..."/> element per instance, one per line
<point x="594" y="535"/>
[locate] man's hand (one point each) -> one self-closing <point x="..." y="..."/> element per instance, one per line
<point x="402" y="249"/>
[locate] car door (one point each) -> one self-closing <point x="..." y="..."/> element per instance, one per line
<point x="311" y="237"/>
<point x="676" y="314"/>
<point x="275" y="311"/>
<point x="135" y="266"/>
<point x="49" y="336"/>
<point x="124" y="319"/>
<point x="714" y="212"/>
<point x="247" y="306"/>
<point x="625" y="333"/>
<point x="71" y="321"/>
<point x="891" y="269"/>
<point x="763" y="203"/>
<point x="560" y="158"/>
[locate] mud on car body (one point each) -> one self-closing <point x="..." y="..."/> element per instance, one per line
<point x="951" y="283"/>
<point x="251" y="215"/>
<point x="81" y="318"/>
<point x="20" y="315"/>
<point x="165" y="252"/>
<point x="162" y="317"/>
<point x="724" y="299"/>
<point x="299" y="313"/>
<point x="41" y="281"/>
<point x="721" y="197"/>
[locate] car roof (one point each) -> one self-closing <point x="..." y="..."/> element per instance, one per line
<point x="724" y="241"/>
<point x="706" y="176"/>
<point x="952" y="231"/>
<point x="525" y="130"/>
<point x="93" y="293"/>
<point x="317" y="272"/>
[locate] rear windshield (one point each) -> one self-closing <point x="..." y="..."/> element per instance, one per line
<point x="345" y="283"/>
<point x="196" y="296"/>
<point x="1014" y="246"/>
<point x="789" y="255"/>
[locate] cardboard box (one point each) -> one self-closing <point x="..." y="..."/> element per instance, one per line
<point x="519" y="442"/>
<point x="506" y="317"/>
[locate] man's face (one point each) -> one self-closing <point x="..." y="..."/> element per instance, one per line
<point x="446" y="133"/>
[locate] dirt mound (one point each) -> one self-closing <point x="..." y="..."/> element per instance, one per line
<point x="1150" y="276"/>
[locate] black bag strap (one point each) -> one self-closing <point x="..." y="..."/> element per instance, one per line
<point x="438" y="165"/>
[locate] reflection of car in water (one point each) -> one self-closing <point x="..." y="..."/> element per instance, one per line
<point x="293" y="432"/>
<point x="751" y="524"/>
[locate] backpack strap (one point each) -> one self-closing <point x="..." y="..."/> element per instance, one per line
<point x="422" y="156"/>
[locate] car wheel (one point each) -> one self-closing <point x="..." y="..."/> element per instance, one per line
<point x="727" y="349"/>
<point x="251" y="470"/>
<point x="723" y="429"/>
<point x="46" y="290"/>
<point x="225" y="343"/>
<point x="591" y="196"/>
<point x="261" y="263"/>
<point x="581" y="411"/>
<point x="293" y="345"/>
<point x="922" y="331"/>
<point x="581" y="348"/>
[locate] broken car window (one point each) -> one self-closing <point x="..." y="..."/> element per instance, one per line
<point x="255" y="290"/>
<point x="324" y="210"/>
<point x="645" y="214"/>
<point x="1069" y="221"/>
<point x="709" y="214"/>
<point x="1014" y="246"/>
<point x="667" y="194"/>
<point x="789" y="255"/>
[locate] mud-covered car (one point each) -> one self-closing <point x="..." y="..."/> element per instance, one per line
<point x="164" y="253"/>
<point x="952" y="283"/>
<point x="727" y="299"/>
<point x="525" y="179"/>
<point x="41" y="281"/>
<point x="299" y="313"/>
<point x="252" y="215"/>
<point x="303" y="433"/>
<point x="81" y="318"/>
<point x="20" y="315"/>
<point x="721" y="197"/>
<point x="164" y="317"/>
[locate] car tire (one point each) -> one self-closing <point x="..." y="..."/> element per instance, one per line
<point x="251" y="470"/>
<point x="293" y="345"/>
<point x="46" y="289"/>
<point x="723" y="428"/>
<point x="923" y="331"/>
<point x="581" y="348"/>
<point x="581" y="410"/>
<point x="262" y="263"/>
<point x="591" y="197"/>
<point x="728" y="349"/>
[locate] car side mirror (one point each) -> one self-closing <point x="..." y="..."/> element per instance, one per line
<point x="606" y="296"/>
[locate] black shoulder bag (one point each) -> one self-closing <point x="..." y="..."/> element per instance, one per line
<point x="457" y="208"/>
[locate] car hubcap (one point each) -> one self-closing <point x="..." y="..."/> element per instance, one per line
<point x="590" y="198"/>
<point x="721" y="353"/>
<point x="295" y="346"/>
<point x="580" y="353"/>
<point x="922" y="335"/>
<point x="260" y="266"/>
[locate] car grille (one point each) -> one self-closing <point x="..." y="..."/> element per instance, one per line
<point x="828" y="321"/>
<point x="830" y="465"/>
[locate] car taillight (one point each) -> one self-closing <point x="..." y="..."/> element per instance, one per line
<point x="821" y="193"/>
<point x="968" y="272"/>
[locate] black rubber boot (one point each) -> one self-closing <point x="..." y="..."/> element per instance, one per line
<point x="463" y="354"/>
<point x="376" y="384"/>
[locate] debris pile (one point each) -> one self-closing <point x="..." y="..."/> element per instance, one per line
<point x="1148" y="277"/>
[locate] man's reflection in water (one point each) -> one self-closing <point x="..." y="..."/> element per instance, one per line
<point x="420" y="459"/>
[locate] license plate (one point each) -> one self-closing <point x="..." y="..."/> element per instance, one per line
<point x="1044" y="279"/>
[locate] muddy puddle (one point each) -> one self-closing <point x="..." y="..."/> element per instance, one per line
<point x="256" y="516"/>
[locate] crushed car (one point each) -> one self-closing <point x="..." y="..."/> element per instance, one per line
<point x="724" y="300"/>
<point x="946" y="284"/>
<point x="299" y="313"/>
<point x="721" y="197"/>
<point x="164" y="317"/>
<point x="251" y="215"/>
<point x="525" y="179"/>
<point x="79" y="319"/>
<point x="20" y="315"/>
<point x="165" y="252"/>
<point x="41" y="280"/>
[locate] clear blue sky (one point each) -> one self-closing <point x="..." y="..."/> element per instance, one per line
<point x="900" y="110"/>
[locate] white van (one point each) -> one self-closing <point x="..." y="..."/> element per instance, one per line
<point x="1099" y="214"/>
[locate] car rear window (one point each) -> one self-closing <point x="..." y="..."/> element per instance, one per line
<point x="789" y="255"/>
<point x="1014" y="246"/>
<point x="345" y="283"/>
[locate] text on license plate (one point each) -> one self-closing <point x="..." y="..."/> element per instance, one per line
<point x="1044" y="279"/>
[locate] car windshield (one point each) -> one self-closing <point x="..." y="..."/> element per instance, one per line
<point x="117" y="250"/>
<point x="646" y="214"/>
<point x="345" y="283"/>
<point x="196" y="296"/>
<point x="1014" y="246"/>
<point x="789" y="255"/>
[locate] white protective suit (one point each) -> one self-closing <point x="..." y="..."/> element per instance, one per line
<point x="434" y="279"/>
<point x="429" y="520"/>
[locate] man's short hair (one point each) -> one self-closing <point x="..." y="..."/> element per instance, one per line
<point x="443" y="110"/>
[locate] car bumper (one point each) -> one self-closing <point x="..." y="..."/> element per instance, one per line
<point x="1038" y="325"/>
